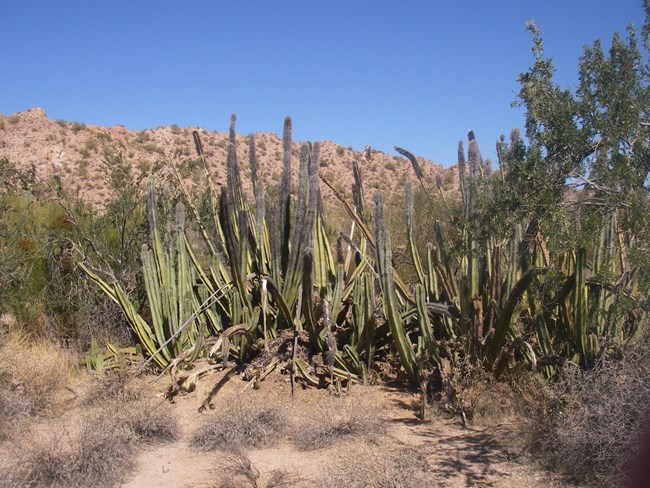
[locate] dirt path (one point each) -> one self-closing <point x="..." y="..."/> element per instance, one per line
<point x="369" y="436"/>
<point x="454" y="456"/>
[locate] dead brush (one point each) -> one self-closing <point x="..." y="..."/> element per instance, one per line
<point x="241" y="425"/>
<point x="123" y="399"/>
<point x="102" y="450"/>
<point x="35" y="369"/>
<point x="44" y="463"/>
<point x="590" y="425"/>
<point x="237" y="471"/>
<point x="154" y="425"/>
<point x="116" y="387"/>
<point x="150" y="421"/>
<point x="14" y="409"/>
<point x="337" y="421"/>
<point x="403" y="467"/>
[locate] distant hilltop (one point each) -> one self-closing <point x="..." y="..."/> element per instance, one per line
<point x="82" y="156"/>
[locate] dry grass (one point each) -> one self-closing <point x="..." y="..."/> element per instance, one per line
<point x="335" y="421"/>
<point x="35" y="369"/>
<point x="241" y="425"/>
<point x="99" y="452"/>
<point x="384" y="467"/>
<point x="590" y="426"/>
<point x="237" y="471"/>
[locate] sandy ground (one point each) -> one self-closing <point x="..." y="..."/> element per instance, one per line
<point x="394" y="445"/>
<point x="473" y="456"/>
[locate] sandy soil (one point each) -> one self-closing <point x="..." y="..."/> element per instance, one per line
<point x="458" y="456"/>
<point x="393" y="444"/>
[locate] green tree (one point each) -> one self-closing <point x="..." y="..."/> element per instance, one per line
<point x="591" y="145"/>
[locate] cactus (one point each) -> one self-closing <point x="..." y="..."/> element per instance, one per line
<point x="169" y="277"/>
<point x="272" y="267"/>
<point x="389" y="293"/>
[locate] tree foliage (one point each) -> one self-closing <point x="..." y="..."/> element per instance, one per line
<point x="587" y="151"/>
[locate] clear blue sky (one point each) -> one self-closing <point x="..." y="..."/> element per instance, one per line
<point x="416" y="74"/>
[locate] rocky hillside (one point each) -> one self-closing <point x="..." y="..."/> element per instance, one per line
<point x="83" y="156"/>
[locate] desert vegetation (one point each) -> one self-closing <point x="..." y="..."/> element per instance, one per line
<point x="532" y="275"/>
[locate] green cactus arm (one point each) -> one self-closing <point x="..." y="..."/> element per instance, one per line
<point x="426" y="330"/>
<point x="504" y="322"/>
<point x="388" y="287"/>
<point x="415" y="256"/>
<point x="580" y="306"/>
<point x="105" y="287"/>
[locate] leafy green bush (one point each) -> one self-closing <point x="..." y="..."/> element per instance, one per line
<point x="41" y="237"/>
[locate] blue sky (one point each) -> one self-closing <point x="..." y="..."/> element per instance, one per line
<point x="417" y="74"/>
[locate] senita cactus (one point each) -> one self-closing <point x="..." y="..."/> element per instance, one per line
<point x="389" y="293"/>
<point x="271" y="267"/>
<point x="178" y="320"/>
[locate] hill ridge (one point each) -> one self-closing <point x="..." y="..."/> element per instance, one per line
<point x="81" y="156"/>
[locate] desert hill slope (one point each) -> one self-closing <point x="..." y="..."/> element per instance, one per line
<point x="82" y="157"/>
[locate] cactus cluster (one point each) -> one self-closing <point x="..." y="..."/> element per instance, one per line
<point x="270" y="268"/>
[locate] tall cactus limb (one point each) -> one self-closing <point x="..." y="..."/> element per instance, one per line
<point x="388" y="288"/>
<point x="415" y="256"/>
<point x="426" y="330"/>
<point x="505" y="317"/>
<point x="580" y="306"/>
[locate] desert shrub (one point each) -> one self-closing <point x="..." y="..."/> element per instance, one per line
<point x="91" y="145"/>
<point x="336" y="421"/>
<point x="101" y="453"/>
<point x="104" y="137"/>
<point x="41" y="284"/>
<point x="237" y="471"/>
<point x="405" y="467"/>
<point x="153" y="148"/>
<point x="151" y="422"/>
<point x="78" y="127"/>
<point x="36" y="369"/>
<point x="143" y="166"/>
<point x="591" y="426"/>
<point x="142" y="137"/>
<point x="241" y="426"/>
